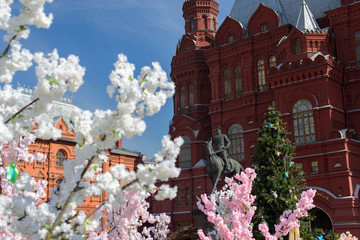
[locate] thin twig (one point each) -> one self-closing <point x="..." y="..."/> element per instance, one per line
<point x="8" y="47"/>
<point x="94" y="211"/>
<point x="130" y="183"/>
<point x="21" y="110"/>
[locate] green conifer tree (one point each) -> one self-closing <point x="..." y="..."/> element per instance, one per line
<point x="278" y="182"/>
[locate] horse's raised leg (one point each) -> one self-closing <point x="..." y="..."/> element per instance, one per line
<point x="216" y="181"/>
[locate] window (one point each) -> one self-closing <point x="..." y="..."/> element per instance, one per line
<point x="261" y="74"/>
<point x="272" y="61"/>
<point x="185" y="153"/>
<point x="227" y="84"/>
<point x="303" y="121"/>
<point x="205" y="22"/>
<point x="192" y="25"/>
<point x="188" y="196"/>
<point x="214" y="24"/>
<point x="178" y="198"/>
<point x="238" y="87"/>
<point x="60" y="158"/>
<point x="236" y="150"/>
<point x="182" y="99"/>
<point x="263" y="27"/>
<point x="230" y="38"/>
<point x="357" y="46"/>
<point x="299" y="166"/>
<point x="314" y="167"/>
<point x="191" y="97"/>
<point x="297" y="46"/>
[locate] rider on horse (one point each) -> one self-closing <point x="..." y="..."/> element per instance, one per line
<point x="221" y="144"/>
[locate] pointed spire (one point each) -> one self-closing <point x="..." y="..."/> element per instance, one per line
<point x="306" y="20"/>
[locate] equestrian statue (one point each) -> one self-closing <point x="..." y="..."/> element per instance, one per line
<point x="219" y="162"/>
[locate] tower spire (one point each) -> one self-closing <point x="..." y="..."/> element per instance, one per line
<point x="200" y="16"/>
<point x="306" y="20"/>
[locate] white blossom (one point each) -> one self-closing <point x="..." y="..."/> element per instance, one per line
<point x="22" y="215"/>
<point x="5" y="13"/>
<point x="165" y="191"/>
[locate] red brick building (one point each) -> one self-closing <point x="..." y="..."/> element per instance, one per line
<point x="265" y="51"/>
<point x="52" y="170"/>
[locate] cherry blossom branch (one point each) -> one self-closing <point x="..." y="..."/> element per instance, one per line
<point x="289" y="219"/>
<point x="21" y="110"/>
<point x="8" y="47"/>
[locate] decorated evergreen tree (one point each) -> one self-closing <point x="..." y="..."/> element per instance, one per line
<point x="278" y="182"/>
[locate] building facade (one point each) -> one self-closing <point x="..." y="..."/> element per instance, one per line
<point x="62" y="149"/>
<point x="305" y="56"/>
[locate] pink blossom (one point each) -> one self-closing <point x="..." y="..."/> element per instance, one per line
<point x="202" y="235"/>
<point x="125" y="220"/>
<point x="347" y="236"/>
<point x="233" y="211"/>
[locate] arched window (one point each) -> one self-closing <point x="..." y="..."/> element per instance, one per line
<point x="182" y="99"/>
<point x="60" y="158"/>
<point x="227" y="84"/>
<point x="263" y="27"/>
<point x="188" y="196"/>
<point x="238" y="87"/>
<point x="297" y="46"/>
<point x="178" y="197"/>
<point x="272" y="61"/>
<point x="261" y="74"/>
<point x="205" y="22"/>
<point x="191" y="97"/>
<point x="236" y="137"/>
<point x="357" y="46"/>
<point x="230" y="38"/>
<point x="185" y="153"/>
<point x="192" y="25"/>
<point x="303" y="121"/>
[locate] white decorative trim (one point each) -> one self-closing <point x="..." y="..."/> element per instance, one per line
<point x="329" y="106"/>
<point x="181" y="212"/>
<point x="251" y="130"/>
<point x="356" y="193"/>
<point x="196" y="132"/>
<point x="320" y="154"/>
<point x="354" y="110"/>
<point x="346" y="223"/>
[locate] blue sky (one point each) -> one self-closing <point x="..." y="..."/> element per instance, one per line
<point x="97" y="30"/>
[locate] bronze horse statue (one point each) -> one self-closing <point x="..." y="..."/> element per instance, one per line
<point x="215" y="165"/>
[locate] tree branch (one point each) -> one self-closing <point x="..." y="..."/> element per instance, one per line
<point x="21" y="110"/>
<point x="8" y="47"/>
